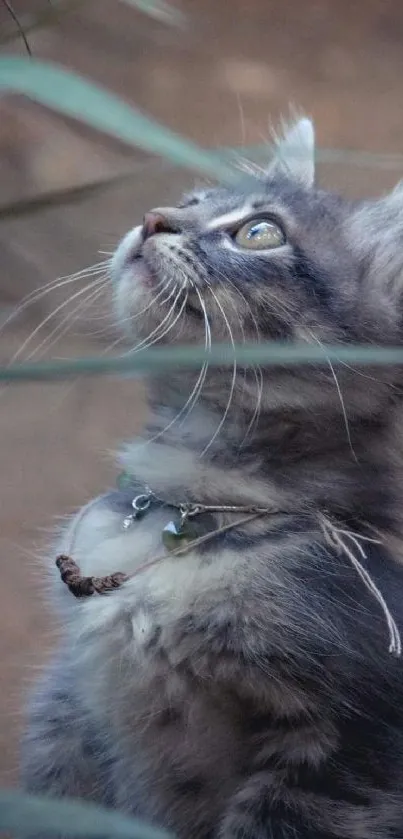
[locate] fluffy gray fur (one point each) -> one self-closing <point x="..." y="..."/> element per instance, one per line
<point x="245" y="689"/>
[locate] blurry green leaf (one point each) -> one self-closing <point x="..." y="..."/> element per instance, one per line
<point x="257" y="154"/>
<point x="74" y="96"/>
<point x="26" y="815"/>
<point x="158" y="9"/>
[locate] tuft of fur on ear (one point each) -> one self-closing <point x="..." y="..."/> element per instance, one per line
<point x="295" y="152"/>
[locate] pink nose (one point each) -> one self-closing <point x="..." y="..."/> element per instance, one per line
<point x="155" y="222"/>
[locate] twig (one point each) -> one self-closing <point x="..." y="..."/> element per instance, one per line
<point x="19" y="26"/>
<point x="30" y="22"/>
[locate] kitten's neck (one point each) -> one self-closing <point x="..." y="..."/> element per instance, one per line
<point x="282" y="465"/>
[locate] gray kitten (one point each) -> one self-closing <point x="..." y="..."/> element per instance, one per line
<point x="253" y="686"/>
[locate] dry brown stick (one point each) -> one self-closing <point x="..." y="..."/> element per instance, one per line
<point x="86" y="586"/>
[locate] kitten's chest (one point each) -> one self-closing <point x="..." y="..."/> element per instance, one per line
<point x="130" y="623"/>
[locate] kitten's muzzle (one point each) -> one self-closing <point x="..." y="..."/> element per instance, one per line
<point x="157" y="221"/>
<point x="161" y="221"/>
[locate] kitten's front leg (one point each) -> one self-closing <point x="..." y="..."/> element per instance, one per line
<point x="63" y="754"/>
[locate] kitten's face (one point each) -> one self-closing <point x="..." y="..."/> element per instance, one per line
<point x="285" y="261"/>
<point x="268" y="263"/>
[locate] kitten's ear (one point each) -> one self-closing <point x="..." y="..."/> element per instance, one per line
<point x="295" y="153"/>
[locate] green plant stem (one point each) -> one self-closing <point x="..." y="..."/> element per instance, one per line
<point x="158" y="359"/>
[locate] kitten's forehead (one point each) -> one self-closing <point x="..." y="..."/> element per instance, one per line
<point x="213" y="201"/>
<point x="226" y="206"/>
<point x="279" y="195"/>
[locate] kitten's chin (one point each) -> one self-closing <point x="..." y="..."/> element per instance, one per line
<point x="140" y="276"/>
<point x="147" y="300"/>
<point x="134" y="285"/>
<point x="133" y="295"/>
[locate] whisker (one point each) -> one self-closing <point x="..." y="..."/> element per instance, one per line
<point x="194" y="396"/>
<point x="66" y="322"/>
<point x="131" y="318"/>
<point x="103" y="263"/>
<point x="256" y="369"/>
<point x="241" y="118"/>
<point x="366" y="375"/>
<point x="241" y="326"/>
<point x="234" y="372"/>
<point x="46" y="320"/>
<point x="256" y="414"/>
<point x="249" y="167"/>
<point x="341" y="398"/>
<point x="195" y="393"/>
<point x="145" y="342"/>
<point x="169" y="326"/>
<point x="39" y="293"/>
<point x="225" y="280"/>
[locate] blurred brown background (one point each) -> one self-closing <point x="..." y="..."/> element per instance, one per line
<point x="237" y="65"/>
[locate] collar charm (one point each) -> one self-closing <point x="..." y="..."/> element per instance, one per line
<point x="179" y="531"/>
<point x="140" y="504"/>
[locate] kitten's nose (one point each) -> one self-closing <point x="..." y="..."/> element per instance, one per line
<point x="156" y="221"/>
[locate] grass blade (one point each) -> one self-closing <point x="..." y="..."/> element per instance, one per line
<point x="159" y="10"/>
<point x="26" y="815"/>
<point x="74" y="96"/>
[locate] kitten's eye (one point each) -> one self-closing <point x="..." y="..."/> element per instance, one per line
<point x="259" y="235"/>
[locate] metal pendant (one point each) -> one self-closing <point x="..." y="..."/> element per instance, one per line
<point x="140" y="504"/>
<point x="179" y="532"/>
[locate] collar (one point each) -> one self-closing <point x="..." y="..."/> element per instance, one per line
<point x="178" y="537"/>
